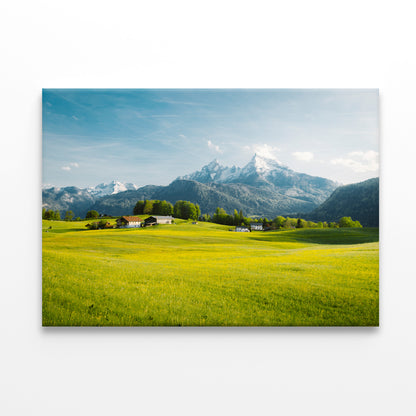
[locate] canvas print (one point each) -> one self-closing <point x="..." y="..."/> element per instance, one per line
<point x="210" y="207"/>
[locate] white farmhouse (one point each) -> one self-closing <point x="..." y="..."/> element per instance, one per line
<point x="256" y="226"/>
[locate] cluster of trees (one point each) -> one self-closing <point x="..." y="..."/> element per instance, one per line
<point x="286" y="223"/>
<point x="92" y="214"/>
<point x="237" y="219"/>
<point x="48" y="214"/>
<point x="221" y="217"/>
<point x="153" y="207"/>
<point x="182" y="209"/>
<point x="186" y="210"/>
<point x="348" y="222"/>
<point x="280" y="222"/>
<point x="99" y="225"/>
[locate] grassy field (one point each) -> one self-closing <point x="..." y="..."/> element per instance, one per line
<point x="202" y="274"/>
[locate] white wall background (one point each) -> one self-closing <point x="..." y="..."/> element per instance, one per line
<point x="184" y="371"/>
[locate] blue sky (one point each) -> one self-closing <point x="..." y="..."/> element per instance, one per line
<point x="152" y="136"/>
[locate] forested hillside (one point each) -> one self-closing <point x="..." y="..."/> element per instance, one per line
<point x="359" y="201"/>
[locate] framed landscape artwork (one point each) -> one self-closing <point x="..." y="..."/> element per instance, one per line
<point x="210" y="207"/>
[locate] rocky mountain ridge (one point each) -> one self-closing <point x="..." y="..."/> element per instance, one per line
<point x="263" y="187"/>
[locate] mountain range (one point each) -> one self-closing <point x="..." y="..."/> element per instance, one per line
<point x="265" y="173"/>
<point x="264" y="187"/>
<point x="79" y="200"/>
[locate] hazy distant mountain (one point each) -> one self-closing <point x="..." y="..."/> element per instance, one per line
<point x="360" y="201"/>
<point x="68" y="198"/>
<point x="123" y="203"/>
<point x="80" y="200"/>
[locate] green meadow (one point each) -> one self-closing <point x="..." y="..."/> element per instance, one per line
<point x="203" y="274"/>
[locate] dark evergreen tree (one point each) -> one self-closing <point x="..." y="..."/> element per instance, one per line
<point x="138" y="208"/>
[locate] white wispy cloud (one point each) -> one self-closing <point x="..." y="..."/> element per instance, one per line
<point x="69" y="166"/>
<point x="75" y="118"/>
<point x="214" y="147"/>
<point x="304" y="156"/>
<point x="359" y="161"/>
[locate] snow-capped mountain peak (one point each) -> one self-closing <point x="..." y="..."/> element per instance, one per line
<point x="214" y="165"/>
<point x="213" y="172"/>
<point x="261" y="171"/>
<point x="112" y="188"/>
<point x="265" y="165"/>
<point x="262" y="167"/>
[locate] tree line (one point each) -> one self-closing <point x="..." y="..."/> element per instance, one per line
<point x="280" y="222"/>
<point x="49" y="214"/>
<point x="187" y="210"/>
<point x="182" y="209"/>
<point x="99" y="225"/>
<point x="287" y="223"/>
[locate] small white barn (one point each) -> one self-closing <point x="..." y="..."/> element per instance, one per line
<point x="164" y="219"/>
<point x="240" y="229"/>
<point x="158" y="219"/>
<point x="129" y="222"/>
